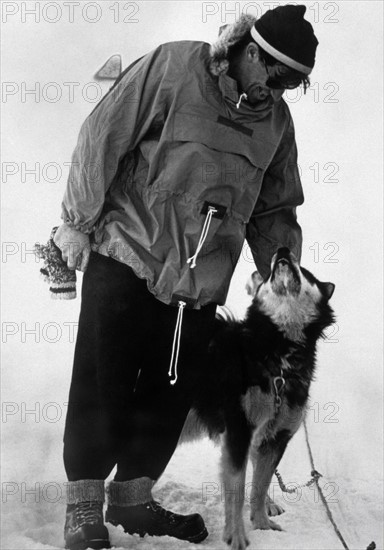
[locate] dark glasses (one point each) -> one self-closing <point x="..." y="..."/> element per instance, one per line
<point x="283" y="80"/>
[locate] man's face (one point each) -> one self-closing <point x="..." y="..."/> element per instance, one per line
<point x="252" y="75"/>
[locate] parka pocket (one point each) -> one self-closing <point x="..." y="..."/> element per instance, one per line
<point x="213" y="161"/>
<point x="223" y="135"/>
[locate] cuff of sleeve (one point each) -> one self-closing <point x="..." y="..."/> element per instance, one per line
<point x="86" y="228"/>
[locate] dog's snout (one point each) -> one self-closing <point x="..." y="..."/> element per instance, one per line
<point x="283" y="253"/>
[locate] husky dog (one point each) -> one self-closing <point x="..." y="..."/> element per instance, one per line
<point x="257" y="385"/>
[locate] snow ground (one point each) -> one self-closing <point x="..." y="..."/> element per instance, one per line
<point x="38" y="525"/>
<point x="344" y="424"/>
<point x="345" y="421"/>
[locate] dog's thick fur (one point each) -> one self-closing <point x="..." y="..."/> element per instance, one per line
<point x="257" y="384"/>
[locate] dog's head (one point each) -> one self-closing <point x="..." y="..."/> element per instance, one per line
<point x="292" y="297"/>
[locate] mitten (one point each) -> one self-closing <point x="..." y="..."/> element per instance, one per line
<point x="55" y="271"/>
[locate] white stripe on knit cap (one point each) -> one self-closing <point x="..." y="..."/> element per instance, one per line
<point x="278" y="55"/>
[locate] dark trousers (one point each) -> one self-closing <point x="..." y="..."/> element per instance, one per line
<point x="122" y="409"/>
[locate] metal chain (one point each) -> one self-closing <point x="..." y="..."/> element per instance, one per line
<point x="315" y="476"/>
<point x="315" y="479"/>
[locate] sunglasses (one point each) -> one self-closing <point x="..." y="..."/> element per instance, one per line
<point x="283" y="81"/>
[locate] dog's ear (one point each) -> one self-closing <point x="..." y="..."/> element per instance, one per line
<point x="253" y="283"/>
<point x="222" y="28"/>
<point x="328" y="289"/>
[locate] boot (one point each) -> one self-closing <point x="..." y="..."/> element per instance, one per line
<point x="131" y="505"/>
<point x="84" y="524"/>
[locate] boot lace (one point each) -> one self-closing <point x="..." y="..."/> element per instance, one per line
<point x="88" y="512"/>
<point x="156" y="507"/>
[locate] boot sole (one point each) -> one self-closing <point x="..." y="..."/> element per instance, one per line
<point x="193" y="539"/>
<point x="199" y="537"/>
<point x="95" y="544"/>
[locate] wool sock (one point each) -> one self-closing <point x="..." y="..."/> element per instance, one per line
<point x="130" y="493"/>
<point x="85" y="490"/>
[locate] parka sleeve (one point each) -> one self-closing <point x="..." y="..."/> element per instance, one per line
<point x="273" y="223"/>
<point x="117" y="124"/>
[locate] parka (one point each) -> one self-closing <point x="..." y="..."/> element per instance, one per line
<point x="173" y="171"/>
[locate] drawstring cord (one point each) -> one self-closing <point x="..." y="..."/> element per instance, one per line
<point x="176" y="343"/>
<point x="181" y="304"/>
<point x="242" y="96"/>
<point x="204" y="232"/>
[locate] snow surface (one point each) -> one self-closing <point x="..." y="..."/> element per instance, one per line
<point x="345" y="444"/>
<point x="346" y="408"/>
<point x="38" y="525"/>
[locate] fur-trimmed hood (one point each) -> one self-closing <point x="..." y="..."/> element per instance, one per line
<point x="228" y="36"/>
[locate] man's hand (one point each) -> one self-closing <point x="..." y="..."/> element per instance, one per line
<point x="74" y="245"/>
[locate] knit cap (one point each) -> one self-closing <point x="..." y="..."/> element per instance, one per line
<point x="288" y="37"/>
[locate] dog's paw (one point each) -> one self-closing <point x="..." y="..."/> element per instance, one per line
<point x="261" y="522"/>
<point x="235" y="540"/>
<point x="273" y="509"/>
<point x="240" y="543"/>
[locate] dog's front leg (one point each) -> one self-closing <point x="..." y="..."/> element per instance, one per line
<point x="265" y="459"/>
<point x="233" y="484"/>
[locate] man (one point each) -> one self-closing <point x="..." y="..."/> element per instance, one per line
<point x="191" y="151"/>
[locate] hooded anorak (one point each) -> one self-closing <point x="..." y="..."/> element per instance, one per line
<point x="170" y="175"/>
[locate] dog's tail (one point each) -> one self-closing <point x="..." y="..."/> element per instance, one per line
<point x="193" y="428"/>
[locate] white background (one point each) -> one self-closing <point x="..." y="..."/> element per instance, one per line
<point x="341" y="221"/>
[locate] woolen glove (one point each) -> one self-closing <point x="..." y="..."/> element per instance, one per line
<point x="74" y="245"/>
<point x="61" y="279"/>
